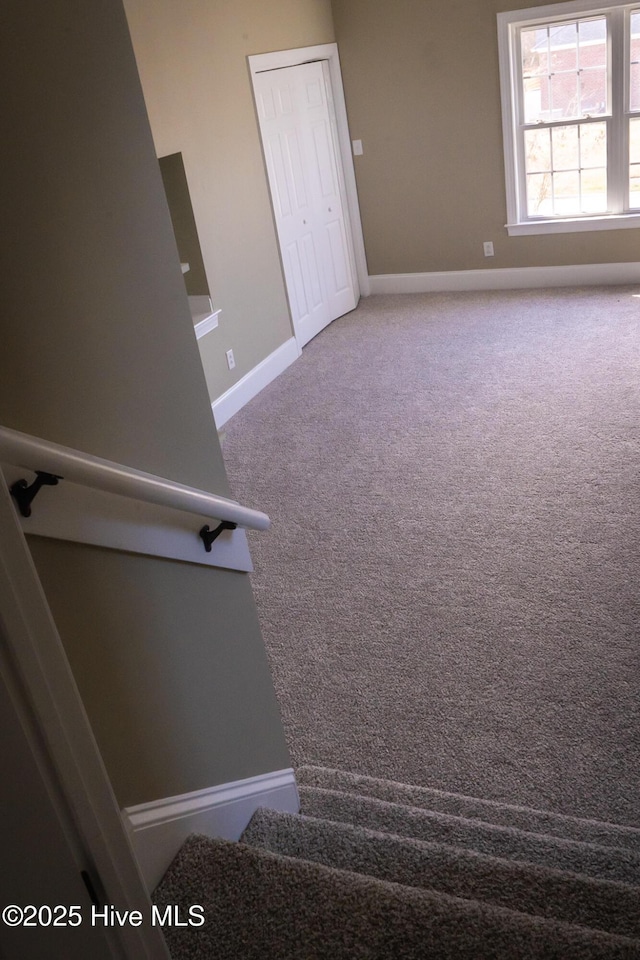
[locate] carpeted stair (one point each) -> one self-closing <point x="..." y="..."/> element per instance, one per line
<point x="374" y="869"/>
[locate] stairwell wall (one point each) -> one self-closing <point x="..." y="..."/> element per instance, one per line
<point x="192" y="58"/>
<point x="99" y="353"/>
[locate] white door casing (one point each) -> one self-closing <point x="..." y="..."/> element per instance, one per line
<point x="305" y="137"/>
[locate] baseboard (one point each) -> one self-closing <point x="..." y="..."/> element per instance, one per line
<point x="253" y="382"/>
<point x="158" y="829"/>
<point x="508" y="278"/>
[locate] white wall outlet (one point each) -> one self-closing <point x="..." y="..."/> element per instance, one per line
<point x="357" y="148"/>
<point x="487" y="246"/>
<point x="231" y="360"/>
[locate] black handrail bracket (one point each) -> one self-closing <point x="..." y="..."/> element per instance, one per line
<point x="24" y="493"/>
<point x="208" y="535"/>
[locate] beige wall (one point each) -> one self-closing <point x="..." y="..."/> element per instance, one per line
<point x="98" y="352"/>
<point x="422" y="91"/>
<point x="192" y="61"/>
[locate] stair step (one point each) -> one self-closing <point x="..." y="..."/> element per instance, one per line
<point x="263" y="906"/>
<point x="527" y="888"/>
<point x="489" y="811"/>
<point x="594" y="860"/>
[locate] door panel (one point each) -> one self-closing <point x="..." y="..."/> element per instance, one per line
<point x="297" y="294"/>
<point x="296" y="170"/>
<point x="314" y="283"/>
<point x="280" y="182"/>
<point x="323" y="157"/>
<point x="302" y="164"/>
<point x="335" y="235"/>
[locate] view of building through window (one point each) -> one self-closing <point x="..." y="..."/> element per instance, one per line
<point x="634" y="104"/>
<point x="578" y="127"/>
<point x="565" y="76"/>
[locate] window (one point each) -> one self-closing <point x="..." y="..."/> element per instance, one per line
<point x="570" y="79"/>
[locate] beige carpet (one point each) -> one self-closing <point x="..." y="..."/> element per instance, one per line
<point x="449" y="594"/>
<point x="380" y="871"/>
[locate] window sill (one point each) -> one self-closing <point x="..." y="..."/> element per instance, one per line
<point x="205" y="323"/>
<point x="575" y="225"/>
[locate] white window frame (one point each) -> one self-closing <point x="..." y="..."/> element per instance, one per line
<point x="509" y="23"/>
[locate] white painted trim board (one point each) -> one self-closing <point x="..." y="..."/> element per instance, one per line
<point x="81" y="514"/>
<point x="508" y="278"/>
<point x="253" y="382"/>
<point x="159" y="828"/>
<point x="207" y="323"/>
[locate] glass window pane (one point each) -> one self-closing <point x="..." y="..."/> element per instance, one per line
<point x="593" y="42"/>
<point x="536" y="99"/>
<point x="534" y="49"/>
<point x="634" y="186"/>
<point x="593" y="92"/>
<point x="566" y="193"/>
<point x="573" y="56"/>
<point x="539" y="198"/>
<point x="566" y="154"/>
<point x="634" y="141"/>
<point x="594" y="191"/>
<point x="535" y="74"/>
<point x="634" y="93"/>
<point x="593" y="145"/>
<point x="537" y="150"/>
<point x="634" y="160"/>
<point x="564" y="95"/>
<point x="565" y="77"/>
<point x="563" y="46"/>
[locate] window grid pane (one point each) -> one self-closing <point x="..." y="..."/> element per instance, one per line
<point x="634" y="163"/>
<point x="634" y="186"/>
<point x="634" y="55"/>
<point x="564" y="70"/>
<point x="565" y="169"/>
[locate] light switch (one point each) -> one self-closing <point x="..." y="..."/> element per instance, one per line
<point x="357" y="148"/>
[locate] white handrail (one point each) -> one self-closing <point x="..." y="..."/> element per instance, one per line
<point x="20" y="449"/>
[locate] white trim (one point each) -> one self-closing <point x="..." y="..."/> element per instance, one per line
<point x="623" y="221"/>
<point x="508" y="278"/>
<point x="253" y="382"/>
<point x="159" y="828"/>
<point x="509" y="23"/>
<point x="507" y="94"/>
<point x="22" y="450"/>
<point x="329" y="52"/>
<point x="55" y="704"/>
<point x="207" y="324"/>
<point x="72" y="512"/>
<point x="205" y="318"/>
<point x="557" y="11"/>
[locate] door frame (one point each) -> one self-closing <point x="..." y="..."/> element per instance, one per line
<point x="261" y="62"/>
<point x="37" y="672"/>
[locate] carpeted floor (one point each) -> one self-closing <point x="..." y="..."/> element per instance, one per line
<point x="449" y="594"/>
<point x="377" y="870"/>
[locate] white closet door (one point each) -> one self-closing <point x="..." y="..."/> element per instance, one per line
<point x="304" y="177"/>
